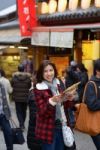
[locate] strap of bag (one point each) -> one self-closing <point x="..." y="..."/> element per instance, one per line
<point x="64" y="119"/>
<point x="83" y="99"/>
<point x="13" y="124"/>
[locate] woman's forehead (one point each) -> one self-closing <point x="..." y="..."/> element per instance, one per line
<point x="48" y="66"/>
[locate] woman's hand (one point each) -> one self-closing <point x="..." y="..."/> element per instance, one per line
<point x="63" y="97"/>
<point x="70" y="97"/>
<point x="56" y="98"/>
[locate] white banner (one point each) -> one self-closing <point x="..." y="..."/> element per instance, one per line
<point x="40" y="38"/>
<point x="62" y="39"/>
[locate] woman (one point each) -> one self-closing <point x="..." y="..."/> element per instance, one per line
<point x="93" y="100"/>
<point x="48" y="98"/>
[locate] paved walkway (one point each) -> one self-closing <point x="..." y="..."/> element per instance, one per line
<point x="83" y="141"/>
<point x="16" y="146"/>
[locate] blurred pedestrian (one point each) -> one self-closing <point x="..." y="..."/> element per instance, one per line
<point x="71" y="78"/>
<point x="6" y="83"/>
<point x="92" y="100"/>
<point x="5" y="115"/>
<point x="83" y="77"/>
<point x="21" y="83"/>
<point x="48" y="99"/>
<point x="32" y="142"/>
<point x="28" y="65"/>
<point x="62" y="79"/>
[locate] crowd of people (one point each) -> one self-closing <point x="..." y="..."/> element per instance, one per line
<point x="43" y="93"/>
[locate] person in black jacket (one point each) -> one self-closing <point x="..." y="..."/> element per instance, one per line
<point x="71" y="74"/>
<point x="32" y="142"/>
<point x="92" y="99"/>
<point x="71" y="78"/>
<point x="21" y="83"/>
<point x="83" y="77"/>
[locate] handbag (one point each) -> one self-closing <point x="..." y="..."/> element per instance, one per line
<point x="17" y="134"/>
<point x="87" y="121"/>
<point x="68" y="135"/>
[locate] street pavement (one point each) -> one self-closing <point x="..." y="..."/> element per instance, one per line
<point x="83" y="141"/>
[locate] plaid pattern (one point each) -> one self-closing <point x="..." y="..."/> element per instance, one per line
<point x="45" y="121"/>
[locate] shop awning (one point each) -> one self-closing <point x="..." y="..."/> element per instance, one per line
<point x="40" y="38"/>
<point x="59" y="36"/>
<point x="10" y="33"/>
<point x="10" y="36"/>
<point x="52" y="38"/>
<point x="62" y="39"/>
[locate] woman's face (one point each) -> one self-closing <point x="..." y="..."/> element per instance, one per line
<point x="48" y="73"/>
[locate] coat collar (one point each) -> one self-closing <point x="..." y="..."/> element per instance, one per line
<point x="43" y="85"/>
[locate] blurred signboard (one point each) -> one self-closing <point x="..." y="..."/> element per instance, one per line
<point x="61" y="39"/>
<point x="40" y="38"/>
<point x="27" y="16"/>
<point x="52" y="39"/>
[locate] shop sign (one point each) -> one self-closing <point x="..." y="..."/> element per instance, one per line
<point x="27" y="16"/>
<point x="62" y="39"/>
<point x="40" y="38"/>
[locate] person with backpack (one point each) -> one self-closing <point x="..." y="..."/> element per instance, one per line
<point x="21" y="83"/>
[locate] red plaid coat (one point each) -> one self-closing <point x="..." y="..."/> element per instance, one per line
<point x="45" y="119"/>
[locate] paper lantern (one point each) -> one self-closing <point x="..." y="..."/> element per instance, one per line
<point x="85" y="4"/>
<point x="62" y="4"/>
<point x="52" y="6"/>
<point x="44" y="8"/>
<point x="97" y="3"/>
<point x="73" y="4"/>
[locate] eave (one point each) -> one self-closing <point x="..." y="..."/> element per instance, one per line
<point x="80" y="16"/>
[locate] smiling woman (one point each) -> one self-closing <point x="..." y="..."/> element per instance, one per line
<point x="48" y="73"/>
<point x="48" y="99"/>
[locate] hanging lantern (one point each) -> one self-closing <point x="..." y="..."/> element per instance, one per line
<point x="62" y="4"/>
<point x="73" y="4"/>
<point x="44" y="8"/>
<point x="97" y="3"/>
<point x="52" y="6"/>
<point x="85" y="4"/>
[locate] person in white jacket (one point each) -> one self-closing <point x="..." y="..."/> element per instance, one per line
<point x="6" y="84"/>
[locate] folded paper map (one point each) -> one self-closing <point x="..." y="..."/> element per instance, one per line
<point x="71" y="88"/>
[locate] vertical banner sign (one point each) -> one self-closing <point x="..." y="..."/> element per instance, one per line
<point x="27" y="16"/>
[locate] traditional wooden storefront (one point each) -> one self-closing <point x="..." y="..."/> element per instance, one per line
<point x="66" y="22"/>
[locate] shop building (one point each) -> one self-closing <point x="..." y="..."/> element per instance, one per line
<point x="68" y="30"/>
<point x="13" y="47"/>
